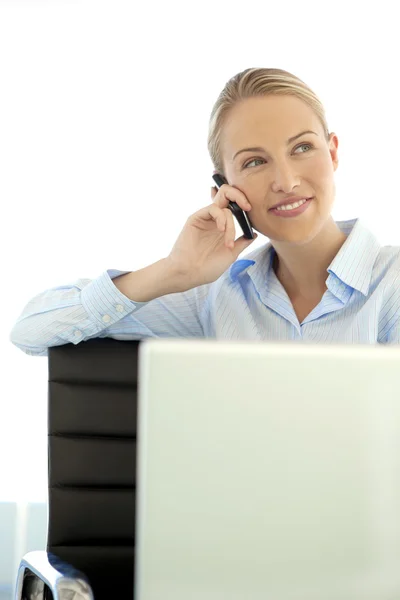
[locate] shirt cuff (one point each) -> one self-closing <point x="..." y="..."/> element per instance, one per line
<point x="104" y="302"/>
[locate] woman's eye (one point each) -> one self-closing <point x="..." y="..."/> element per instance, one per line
<point x="252" y="161"/>
<point x="256" y="159"/>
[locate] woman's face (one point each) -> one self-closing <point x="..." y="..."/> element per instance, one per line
<point x="303" y="167"/>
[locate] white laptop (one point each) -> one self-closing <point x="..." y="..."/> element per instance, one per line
<point x="268" y="471"/>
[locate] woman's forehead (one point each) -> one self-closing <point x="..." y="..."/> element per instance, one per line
<point x="278" y="113"/>
<point x="273" y="120"/>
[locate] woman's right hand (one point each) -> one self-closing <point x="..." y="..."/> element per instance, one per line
<point x="206" y="246"/>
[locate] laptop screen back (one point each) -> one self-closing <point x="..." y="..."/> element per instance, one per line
<point x="268" y="471"/>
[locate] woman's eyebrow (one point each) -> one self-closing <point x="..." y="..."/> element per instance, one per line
<point x="260" y="149"/>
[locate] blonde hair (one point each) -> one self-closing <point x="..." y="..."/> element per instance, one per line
<point x="252" y="83"/>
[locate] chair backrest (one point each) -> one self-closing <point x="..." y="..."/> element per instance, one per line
<point x="92" y="406"/>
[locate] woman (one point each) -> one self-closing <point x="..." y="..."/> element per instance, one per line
<point x="317" y="281"/>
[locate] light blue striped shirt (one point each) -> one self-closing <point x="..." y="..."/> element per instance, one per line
<point x="360" y="306"/>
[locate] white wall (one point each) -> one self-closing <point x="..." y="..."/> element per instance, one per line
<point x="23" y="528"/>
<point x="104" y="109"/>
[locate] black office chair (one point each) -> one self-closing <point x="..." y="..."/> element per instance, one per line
<point x="92" y="405"/>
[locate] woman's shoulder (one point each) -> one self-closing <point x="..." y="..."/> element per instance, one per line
<point x="389" y="256"/>
<point x="386" y="269"/>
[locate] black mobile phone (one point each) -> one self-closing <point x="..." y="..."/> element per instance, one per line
<point x="240" y="215"/>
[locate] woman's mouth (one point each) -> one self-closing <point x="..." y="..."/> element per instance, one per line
<point x="298" y="209"/>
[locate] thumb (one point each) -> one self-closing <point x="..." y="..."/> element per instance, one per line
<point x="242" y="243"/>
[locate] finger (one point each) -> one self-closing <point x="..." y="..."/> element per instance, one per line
<point x="228" y="193"/>
<point x="230" y="232"/>
<point x="242" y="243"/>
<point x="218" y="215"/>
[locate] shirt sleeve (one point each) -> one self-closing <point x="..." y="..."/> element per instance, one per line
<point x="389" y="323"/>
<point x="87" y="309"/>
<point x="393" y="335"/>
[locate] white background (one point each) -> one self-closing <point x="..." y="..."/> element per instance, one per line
<point x="104" y="110"/>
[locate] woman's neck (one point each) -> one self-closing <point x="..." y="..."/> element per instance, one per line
<point x="302" y="270"/>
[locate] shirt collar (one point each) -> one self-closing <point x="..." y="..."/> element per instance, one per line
<point x="352" y="265"/>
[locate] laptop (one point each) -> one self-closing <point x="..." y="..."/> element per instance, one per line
<point x="267" y="471"/>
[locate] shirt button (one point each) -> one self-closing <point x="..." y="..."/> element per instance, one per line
<point x="106" y="318"/>
<point x="119" y="307"/>
<point x="78" y="333"/>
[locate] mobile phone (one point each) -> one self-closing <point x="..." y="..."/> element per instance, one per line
<point x="240" y="215"/>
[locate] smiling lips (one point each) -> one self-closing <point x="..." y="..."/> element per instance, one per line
<point x="298" y="209"/>
<point x="290" y="201"/>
